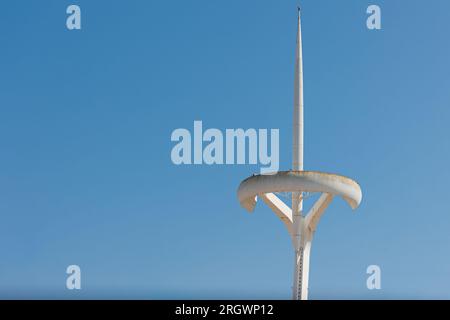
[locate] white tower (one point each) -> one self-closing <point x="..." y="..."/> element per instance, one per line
<point x="300" y="227"/>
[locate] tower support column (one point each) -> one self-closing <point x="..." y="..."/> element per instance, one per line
<point x="302" y="250"/>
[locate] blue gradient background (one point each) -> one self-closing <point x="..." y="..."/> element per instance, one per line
<point x="85" y="171"/>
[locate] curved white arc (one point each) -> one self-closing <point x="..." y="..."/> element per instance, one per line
<point x="291" y="181"/>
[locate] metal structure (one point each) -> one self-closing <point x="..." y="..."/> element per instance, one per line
<point x="301" y="227"/>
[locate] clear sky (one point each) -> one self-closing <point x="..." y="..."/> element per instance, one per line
<point x="86" y="176"/>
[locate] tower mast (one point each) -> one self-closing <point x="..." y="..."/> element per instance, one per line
<point x="297" y="142"/>
<point x="301" y="258"/>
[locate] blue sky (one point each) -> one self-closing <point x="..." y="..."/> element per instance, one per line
<point x="85" y="171"/>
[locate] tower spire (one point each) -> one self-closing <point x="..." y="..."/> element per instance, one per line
<point x="298" y="236"/>
<point x="297" y="147"/>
